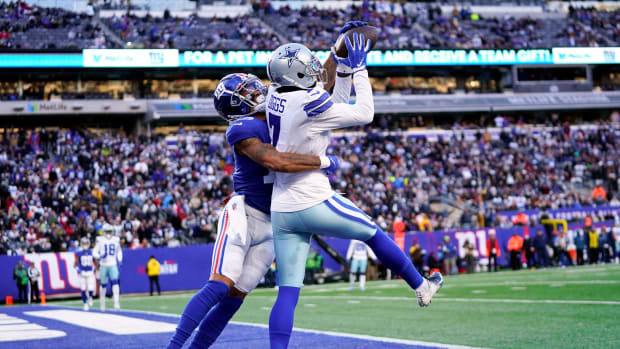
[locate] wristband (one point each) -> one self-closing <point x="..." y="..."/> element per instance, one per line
<point x="325" y="163"/>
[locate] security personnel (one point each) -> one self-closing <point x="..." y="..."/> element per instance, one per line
<point x="152" y="270"/>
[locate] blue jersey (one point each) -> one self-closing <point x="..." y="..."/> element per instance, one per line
<point x="85" y="260"/>
<point x="251" y="179"/>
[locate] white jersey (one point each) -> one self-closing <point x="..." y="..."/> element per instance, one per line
<point x="359" y="250"/>
<point x="108" y="251"/>
<point x="299" y="122"/>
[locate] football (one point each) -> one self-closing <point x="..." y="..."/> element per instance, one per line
<point x="369" y="32"/>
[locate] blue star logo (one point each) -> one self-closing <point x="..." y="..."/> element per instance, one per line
<point x="291" y="55"/>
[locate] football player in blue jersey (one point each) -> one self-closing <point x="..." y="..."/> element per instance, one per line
<point x="244" y="248"/>
<point x="85" y="264"/>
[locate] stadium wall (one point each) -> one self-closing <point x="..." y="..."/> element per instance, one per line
<point x="187" y="268"/>
<point x="182" y="268"/>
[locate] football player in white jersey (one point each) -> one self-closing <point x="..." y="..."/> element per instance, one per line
<point x="300" y="115"/>
<point x="109" y="256"/>
<point x="85" y="265"/>
<point x="358" y="253"/>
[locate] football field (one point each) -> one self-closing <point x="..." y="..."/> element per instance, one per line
<point x="555" y="308"/>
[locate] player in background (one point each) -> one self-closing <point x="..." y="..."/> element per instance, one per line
<point x="85" y="264"/>
<point x="358" y="253"/>
<point x="300" y="114"/>
<point x="243" y="250"/>
<point x="109" y="256"/>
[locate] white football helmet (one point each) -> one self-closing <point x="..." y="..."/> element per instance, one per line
<point x="295" y="65"/>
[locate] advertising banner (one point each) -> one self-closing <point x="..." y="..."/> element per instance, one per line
<point x="161" y="58"/>
<point x="568" y="214"/>
<point x="379" y="58"/>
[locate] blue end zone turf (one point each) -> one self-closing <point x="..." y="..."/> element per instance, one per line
<point x="22" y="321"/>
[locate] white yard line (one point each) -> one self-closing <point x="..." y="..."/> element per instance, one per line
<point x="330" y="333"/>
<point x="465" y="300"/>
<point x="545" y="282"/>
<point x="365" y="337"/>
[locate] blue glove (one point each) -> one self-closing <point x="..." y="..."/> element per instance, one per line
<point x="352" y="24"/>
<point x="333" y="165"/>
<point x="356" y="61"/>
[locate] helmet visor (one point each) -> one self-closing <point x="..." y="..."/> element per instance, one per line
<point x="315" y="68"/>
<point x="251" y="92"/>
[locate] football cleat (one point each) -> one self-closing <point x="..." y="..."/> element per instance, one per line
<point x="90" y="302"/>
<point x="117" y="306"/>
<point x="429" y="287"/>
<point x="86" y="307"/>
<point x="102" y="307"/>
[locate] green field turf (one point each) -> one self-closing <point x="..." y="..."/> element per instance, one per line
<point x="555" y="308"/>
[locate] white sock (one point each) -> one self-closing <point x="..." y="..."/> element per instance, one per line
<point x="362" y="281"/>
<point x="115" y="293"/>
<point x="102" y="296"/>
<point x="351" y="280"/>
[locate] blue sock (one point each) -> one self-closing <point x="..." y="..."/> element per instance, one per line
<point x="90" y="293"/>
<point x="282" y="316"/>
<point x="211" y="327"/>
<point x="394" y="258"/>
<point x="84" y="296"/>
<point x="196" y="309"/>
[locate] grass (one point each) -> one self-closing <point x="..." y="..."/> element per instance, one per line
<point x="554" y="308"/>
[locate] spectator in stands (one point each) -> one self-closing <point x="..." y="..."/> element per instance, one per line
<point x="493" y="251"/>
<point x="153" y="270"/>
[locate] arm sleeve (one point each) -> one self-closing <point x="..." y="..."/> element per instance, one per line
<point x="341" y="115"/>
<point x="240" y="130"/>
<point x="342" y="89"/>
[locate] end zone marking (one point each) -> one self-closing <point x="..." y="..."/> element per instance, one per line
<point x="15" y="329"/>
<point x="333" y="334"/>
<point x="106" y="322"/>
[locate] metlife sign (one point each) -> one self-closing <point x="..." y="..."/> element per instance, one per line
<point x="134" y="58"/>
<point x="586" y="55"/>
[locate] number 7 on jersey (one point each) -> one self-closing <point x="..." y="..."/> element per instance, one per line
<point x="274" y="127"/>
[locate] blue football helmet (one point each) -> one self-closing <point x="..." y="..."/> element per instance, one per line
<point x="239" y="95"/>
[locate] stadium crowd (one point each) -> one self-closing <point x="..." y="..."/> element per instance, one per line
<point x="41" y="28"/>
<point x="56" y="186"/>
<point x="193" y="32"/>
<point x="403" y="25"/>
